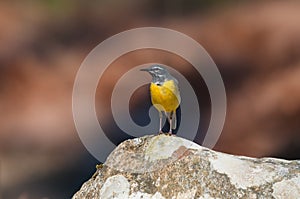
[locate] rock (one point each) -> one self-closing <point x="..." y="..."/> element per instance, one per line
<point x="162" y="166"/>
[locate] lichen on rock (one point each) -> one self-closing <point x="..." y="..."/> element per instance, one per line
<point x="163" y="167"/>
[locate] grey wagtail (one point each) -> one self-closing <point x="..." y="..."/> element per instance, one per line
<point x="165" y="94"/>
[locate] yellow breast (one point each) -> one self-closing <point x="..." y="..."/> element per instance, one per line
<point x="165" y="97"/>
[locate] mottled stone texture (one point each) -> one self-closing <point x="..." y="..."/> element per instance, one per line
<point x="171" y="167"/>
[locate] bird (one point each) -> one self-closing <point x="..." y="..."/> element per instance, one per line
<point x="165" y="95"/>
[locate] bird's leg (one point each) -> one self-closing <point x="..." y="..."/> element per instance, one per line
<point x="170" y="122"/>
<point x="160" y="122"/>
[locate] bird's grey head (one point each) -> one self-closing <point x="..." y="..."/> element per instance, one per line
<point x="159" y="73"/>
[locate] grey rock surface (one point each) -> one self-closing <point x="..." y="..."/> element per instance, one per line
<point x="163" y="167"/>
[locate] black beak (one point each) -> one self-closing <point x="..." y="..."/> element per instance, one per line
<point x="145" y="69"/>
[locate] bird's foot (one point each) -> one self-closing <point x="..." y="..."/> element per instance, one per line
<point x="160" y="132"/>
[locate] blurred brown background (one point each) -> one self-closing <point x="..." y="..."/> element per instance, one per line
<point x="255" y="44"/>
